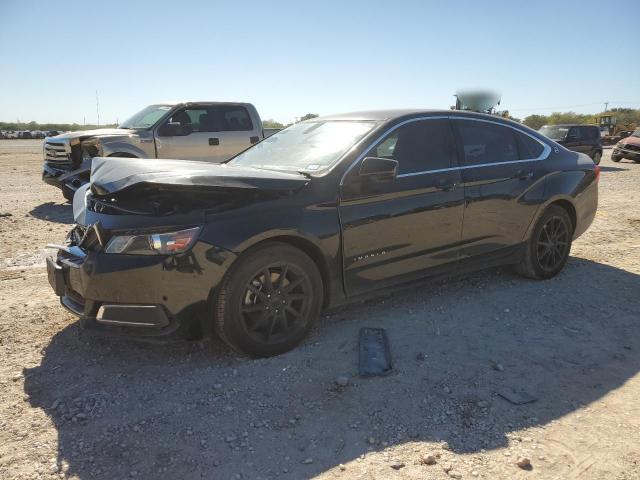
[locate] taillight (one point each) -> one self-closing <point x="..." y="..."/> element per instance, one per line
<point x="596" y="171"/>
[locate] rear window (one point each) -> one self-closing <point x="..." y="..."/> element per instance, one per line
<point x="528" y="147"/>
<point x="590" y="133"/>
<point x="485" y="142"/>
<point x="234" y="119"/>
<point x="214" y="118"/>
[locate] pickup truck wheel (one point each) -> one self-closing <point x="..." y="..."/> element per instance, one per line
<point x="547" y="250"/>
<point x="269" y="301"/>
<point x="597" y="157"/>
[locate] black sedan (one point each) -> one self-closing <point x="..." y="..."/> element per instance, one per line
<point x="323" y="212"/>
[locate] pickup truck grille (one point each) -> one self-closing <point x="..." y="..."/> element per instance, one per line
<point x="55" y="153"/>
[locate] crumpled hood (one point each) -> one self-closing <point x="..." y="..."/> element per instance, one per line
<point x="110" y="175"/>
<point x="630" y="140"/>
<point x="93" y="133"/>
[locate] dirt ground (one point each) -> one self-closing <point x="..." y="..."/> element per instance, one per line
<point x="75" y="405"/>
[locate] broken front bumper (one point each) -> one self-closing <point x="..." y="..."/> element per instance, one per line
<point x="140" y="295"/>
<point x="66" y="180"/>
<point x="627" y="153"/>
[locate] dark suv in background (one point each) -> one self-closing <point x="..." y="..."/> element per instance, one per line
<point x="579" y="138"/>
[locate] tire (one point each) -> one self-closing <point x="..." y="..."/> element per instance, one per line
<point x="555" y="228"/>
<point x="68" y="194"/>
<point x="597" y="157"/>
<point x="615" y="158"/>
<point x="264" y="315"/>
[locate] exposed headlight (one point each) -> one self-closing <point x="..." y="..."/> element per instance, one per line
<point x="166" y="243"/>
<point x="86" y="155"/>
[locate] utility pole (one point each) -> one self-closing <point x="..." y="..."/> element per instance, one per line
<point x="606" y="104"/>
<point x="97" y="107"/>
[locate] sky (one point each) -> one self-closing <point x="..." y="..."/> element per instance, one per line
<point x="290" y="58"/>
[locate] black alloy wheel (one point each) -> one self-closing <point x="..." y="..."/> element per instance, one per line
<point x="547" y="250"/>
<point x="553" y="243"/>
<point x="269" y="300"/>
<point x="275" y="302"/>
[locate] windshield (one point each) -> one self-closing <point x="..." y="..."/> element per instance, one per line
<point x="146" y="117"/>
<point x="554" y="132"/>
<point x="306" y="146"/>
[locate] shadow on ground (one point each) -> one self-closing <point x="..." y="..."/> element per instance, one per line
<point x="613" y="169"/>
<point x="189" y="412"/>
<point x="54" y="212"/>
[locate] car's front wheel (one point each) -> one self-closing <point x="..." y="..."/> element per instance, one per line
<point x="269" y="300"/>
<point x="615" y="158"/>
<point x="547" y="250"/>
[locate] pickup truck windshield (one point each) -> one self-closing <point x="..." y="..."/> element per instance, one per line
<point x="554" y="132"/>
<point x="305" y="147"/>
<point x="147" y="117"/>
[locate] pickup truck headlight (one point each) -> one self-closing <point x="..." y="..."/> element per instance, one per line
<point x="165" y="243"/>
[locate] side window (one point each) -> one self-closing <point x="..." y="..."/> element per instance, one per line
<point x="527" y="146"/>
<point x="197" y="119"/>
<point x="234" y="119"/>
<point x="574" y="134"/>
<point x="589" y="133"/>
<point x="418" y="146"/>
<point x="485" y="142"/>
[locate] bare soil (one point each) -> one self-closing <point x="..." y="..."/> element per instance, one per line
<point x="75" y="405"/>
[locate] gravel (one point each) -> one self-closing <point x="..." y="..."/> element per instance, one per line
<point x="80" y="406"/>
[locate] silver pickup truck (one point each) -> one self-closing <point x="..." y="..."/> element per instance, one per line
<point x="206" y="131"/>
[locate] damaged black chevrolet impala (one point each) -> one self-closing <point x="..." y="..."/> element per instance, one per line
<point x="325" y="211"/>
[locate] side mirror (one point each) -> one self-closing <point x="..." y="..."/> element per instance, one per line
<point x="379" y="168"/>
<point x="173" y="129"/>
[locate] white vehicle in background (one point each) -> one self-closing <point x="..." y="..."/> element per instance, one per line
<point x="205" y="131"/>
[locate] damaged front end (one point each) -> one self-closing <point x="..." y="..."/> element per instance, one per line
<point x="136" y="263"/>
<point x="68" y="157"/>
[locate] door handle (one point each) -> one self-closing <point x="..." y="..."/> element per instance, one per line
<point x="214" y="141"/>
<point x="524" y="174"/>
<point x="445" y="185"/>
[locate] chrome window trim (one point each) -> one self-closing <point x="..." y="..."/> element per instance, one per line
<point x="546" y="150"/>
<point x="381" y="136"/>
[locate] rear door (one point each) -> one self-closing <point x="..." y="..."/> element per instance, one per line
<point x="396" y="229"/>
<point x="199" y="140"/>
<point x="575" y="140"/>
<point x="589" y="139"/>
<point x="502" y="165"/>
<point x="237" y="128"/>
<point x="212" y="133"/>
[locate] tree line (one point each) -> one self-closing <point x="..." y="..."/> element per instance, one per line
<point x="67" y="127"/>
<point x="624" y="116"/>
<point x="60" y="127"/>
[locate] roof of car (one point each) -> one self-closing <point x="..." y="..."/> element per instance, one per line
<point x="572" y="125"/>
<point x="386" y="115"/>
<point x="173" y="103"/>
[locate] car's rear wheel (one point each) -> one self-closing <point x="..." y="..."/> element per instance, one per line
<point x="597" y="157"/>
<point x="269" y="300"/>
<point x="548" y="248"/>
<point x="615" y="158"/>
